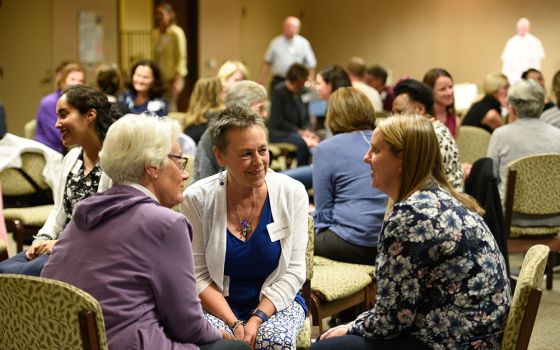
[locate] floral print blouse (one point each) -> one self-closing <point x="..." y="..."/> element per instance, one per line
<point x="440" y="276"/>
<point x="79" y="186"/>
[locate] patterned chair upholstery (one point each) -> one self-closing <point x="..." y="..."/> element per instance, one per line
<point x="40" y="313"/>
<point x="472" y="143"/>
<point x="29" y="129"/>
<point x="336" y="286"/>
<point x="526" y="298"/>
<point x="282" y="154"/>
<point x="304" y="337"/>
<point x="24" y="220"/>
<point x="533" y="191"/>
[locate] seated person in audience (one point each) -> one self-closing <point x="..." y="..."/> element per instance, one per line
<point x="526" y="135"/>
<point x="246" y="94"/>
<point x="145" y="91"/>
<point x="328" y="80"/>
<point x="441" y="278"/>
<point x="205" y="101"/>
<point x="413" y="97"/>
<point x="230" y="73"/>
<point x="289" y="119"/>
<point x="249" y="237"/>
<point x="552" y="115"/>
<point x="356" y="69"/>
<point x="130" y="251"/>
<point x="68" y="74"/>
<point x="441" y="83"/>
<point x="537" y="76"/>
<point x="84" y="116"/>
<point x="108" y="81"/>
<point x="376" y="77"/>
<point x="487" y="113"/>
<point x="348" y="216"/>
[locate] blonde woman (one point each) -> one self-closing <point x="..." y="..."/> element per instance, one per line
<point x="205" y="99"/>
<point x="486" y="113"/>
<point x="231" y="72"/>
<point x="441" y="278"/>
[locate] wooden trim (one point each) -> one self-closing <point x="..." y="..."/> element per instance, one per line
<point x="528" y="322"/>
<point x="88" y="330"/>
<point x="510" y="191"/>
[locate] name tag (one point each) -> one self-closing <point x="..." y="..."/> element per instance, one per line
<point x="278" y="230"/>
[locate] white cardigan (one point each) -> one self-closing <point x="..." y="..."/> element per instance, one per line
<point x="205" y="207"/>
<point x="57" y="218"/>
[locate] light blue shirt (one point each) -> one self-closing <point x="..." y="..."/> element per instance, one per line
<point x="344" y="199"/>
<point x="284" y="52"/>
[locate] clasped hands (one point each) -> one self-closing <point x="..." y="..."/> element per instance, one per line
<point x="39" y="248"/>
<point x="247" y="332"/>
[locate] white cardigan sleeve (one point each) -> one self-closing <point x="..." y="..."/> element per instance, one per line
<point x="283" y="284"/>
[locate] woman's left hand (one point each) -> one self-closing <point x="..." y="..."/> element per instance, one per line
<point x="337" y="331"/>
<point x="251" y="328"/>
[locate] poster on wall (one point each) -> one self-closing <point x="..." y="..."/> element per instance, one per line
<point x="91" y="37"/>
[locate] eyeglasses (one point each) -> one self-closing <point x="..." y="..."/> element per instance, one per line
<point x="181" y="161"/>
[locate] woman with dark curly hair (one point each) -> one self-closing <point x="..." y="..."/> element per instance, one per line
<point x="145" y="91"/>
<point x="84" y="116"/>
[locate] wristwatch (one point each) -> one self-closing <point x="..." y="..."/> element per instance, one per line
<point x="260" y="314"/>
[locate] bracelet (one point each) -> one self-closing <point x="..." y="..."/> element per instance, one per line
<point x="235" y="324"/>
<point x="260" y="314"/>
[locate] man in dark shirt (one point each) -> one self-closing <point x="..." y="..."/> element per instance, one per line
<point x="289" y="120"/>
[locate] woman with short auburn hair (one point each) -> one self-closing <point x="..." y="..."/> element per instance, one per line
<point x="348" y="215"/>
<point x="441" y="278"/>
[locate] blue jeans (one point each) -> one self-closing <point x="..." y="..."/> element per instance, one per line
<point x="303" y="174"/>
<point x="19" y="264"/>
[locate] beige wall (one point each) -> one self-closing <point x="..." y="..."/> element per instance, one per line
<point x="408" y="38"/>
<point x="136" y="15"/>
<point x="466" y="37"/>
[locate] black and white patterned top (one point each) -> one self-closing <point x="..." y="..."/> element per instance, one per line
<point x="79" y="186"/>
<point x="450" y="155"/>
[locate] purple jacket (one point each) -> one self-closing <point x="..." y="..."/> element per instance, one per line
<point x="134" y="256"/>
<point x="45" y="132"/>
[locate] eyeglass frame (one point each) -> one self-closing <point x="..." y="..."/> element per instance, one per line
<point x="179" y="160"/>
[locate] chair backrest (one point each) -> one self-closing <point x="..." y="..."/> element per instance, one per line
<point x="40" y="313"/>
<point x="29" y="129"/>
<point x="178" y="116"/>
<point x="472" y="143"/>
<point x="30" y="181"/>
<point x="526" y="298"/>
<point x="533" y="184"/>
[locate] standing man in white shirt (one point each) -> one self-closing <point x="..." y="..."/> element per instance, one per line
<point x="285" y="50"/>
<point x="522" y="51"/>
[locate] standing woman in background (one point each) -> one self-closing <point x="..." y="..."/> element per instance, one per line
<point x="145" y="90"/>
<point x="441" y="83"/>
<point x="205" y="100"/>
<point x="68" y="74"/>
<point x="170" y="52"/>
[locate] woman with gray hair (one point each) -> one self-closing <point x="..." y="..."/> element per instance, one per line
<point x="249" y="237"/>
<point x="130" y="251"/>
<point x="246" y="94"/>
<point x="526" y="135"/>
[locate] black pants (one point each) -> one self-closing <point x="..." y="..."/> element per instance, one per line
<point x="355" y="342"/>
<point x="225" y="345"/>
<point x="329" y="245"/>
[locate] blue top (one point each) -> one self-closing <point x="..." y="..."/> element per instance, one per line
<point x="158" y="106"/>
<point x="249" y="263"/>
<point x="344" y="199"/>
<point x="440" y="276"/>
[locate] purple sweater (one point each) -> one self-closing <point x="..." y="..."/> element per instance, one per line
<point x="134" y="256"/>
<point x="45" y="132"/>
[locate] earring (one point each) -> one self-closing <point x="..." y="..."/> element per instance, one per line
<point x="155" y="177"/>
<point x="221" y="177"/>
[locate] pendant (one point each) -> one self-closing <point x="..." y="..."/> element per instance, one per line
<point x="246" y="228"/>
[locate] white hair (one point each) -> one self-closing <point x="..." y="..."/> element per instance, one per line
<point x="135" y="141"/>
<point x="526" y="98"/>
